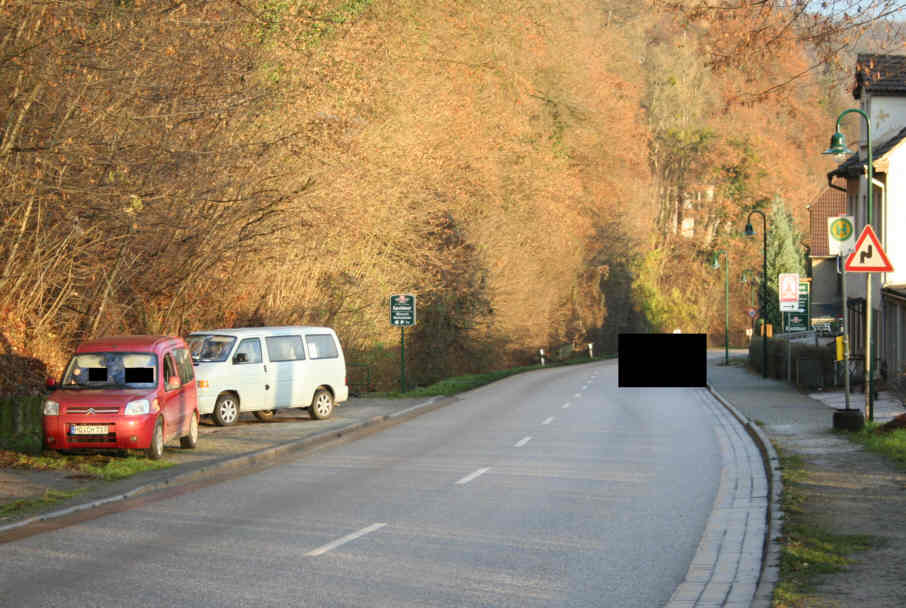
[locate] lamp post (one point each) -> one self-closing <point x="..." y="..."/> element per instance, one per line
<point x="837" y="148"/>
<point x="748" y="277"/>
<point x="715" y="263"/>
<point x="750" y="231"/>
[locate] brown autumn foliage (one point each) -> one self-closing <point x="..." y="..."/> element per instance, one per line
<point x="755" y="35"/>
<point x="524" y="168"/>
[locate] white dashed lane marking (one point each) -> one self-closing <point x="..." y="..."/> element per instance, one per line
<point x="342" y="541"/>
<point x="548" y="420"/>
<point x="566" y="405"/>
<point x="473" y="475"/>
<point x="522" y="442"/>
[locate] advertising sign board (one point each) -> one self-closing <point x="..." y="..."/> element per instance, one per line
<point x="788" y="283"/>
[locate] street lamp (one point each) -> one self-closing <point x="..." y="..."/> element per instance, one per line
<point x="750" y="231"/>
<point x="838" y="147"/>
<point x="715" y="263"/>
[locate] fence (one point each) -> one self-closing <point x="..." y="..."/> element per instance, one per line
<point x="359" y="378"/>
<point x="802" y="363"/>
<point x="21" y="421"/>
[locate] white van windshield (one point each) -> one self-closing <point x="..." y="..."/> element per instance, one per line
<point x="209" y="347"/>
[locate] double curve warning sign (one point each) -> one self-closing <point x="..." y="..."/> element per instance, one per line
<point x="868" y="256"/>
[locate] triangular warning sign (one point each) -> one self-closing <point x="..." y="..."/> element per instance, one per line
<point x="868" y="255"/>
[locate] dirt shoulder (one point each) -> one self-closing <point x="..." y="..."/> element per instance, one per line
<point x="847" y="490"/>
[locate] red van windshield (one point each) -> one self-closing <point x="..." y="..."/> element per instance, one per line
<point x="111" y="370"/>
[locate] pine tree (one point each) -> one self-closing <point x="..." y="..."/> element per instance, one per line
<point x="784" y="255"/>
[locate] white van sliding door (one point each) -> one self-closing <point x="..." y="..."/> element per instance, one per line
<point x="248" y="372"/>
<point x="287" y="362"/>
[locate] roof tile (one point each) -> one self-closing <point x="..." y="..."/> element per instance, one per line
<point x="880" y="74"/>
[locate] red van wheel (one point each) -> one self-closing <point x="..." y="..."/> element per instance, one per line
<point x="190" y="440"/>
<point x="156" y="449"/>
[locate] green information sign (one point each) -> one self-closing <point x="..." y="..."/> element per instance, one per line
<point x="799" y="320"/>
<point x="402" y="310"/>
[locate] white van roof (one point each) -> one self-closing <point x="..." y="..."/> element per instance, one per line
<point x="240" y="332"/>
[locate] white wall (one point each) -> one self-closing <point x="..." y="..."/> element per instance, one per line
<point x="888" y="116"/>
<point x="894" y="228"/>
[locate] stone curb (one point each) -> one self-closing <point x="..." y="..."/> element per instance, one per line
<point x="770" y="564"/>
<point x="257" y="457"/>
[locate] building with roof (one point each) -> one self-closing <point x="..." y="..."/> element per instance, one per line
<point x="826" y="301"/>
<point x="881" y="91"/>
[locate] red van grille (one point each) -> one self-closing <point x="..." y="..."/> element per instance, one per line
<point x="84" y="409"/>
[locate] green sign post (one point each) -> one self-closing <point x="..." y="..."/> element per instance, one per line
<point x="402" y="313"/>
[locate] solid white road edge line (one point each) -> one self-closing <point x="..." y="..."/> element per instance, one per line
<point x="548" y="420"/>
<point x="473" y="475"/>
<point x="522" y="441"/>
<point x="342" y="541"/>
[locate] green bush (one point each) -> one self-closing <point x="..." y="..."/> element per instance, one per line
<point x="20" y="424"/>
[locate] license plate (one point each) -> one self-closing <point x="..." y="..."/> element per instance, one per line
<point x="89" y="429"/>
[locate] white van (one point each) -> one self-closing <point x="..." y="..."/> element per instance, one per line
<point x="264" y="369"/>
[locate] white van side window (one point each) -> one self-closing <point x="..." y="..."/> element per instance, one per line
<point x="321" y="346"/>
<point x="285" y="348"/>
<point x="250" y="349"/>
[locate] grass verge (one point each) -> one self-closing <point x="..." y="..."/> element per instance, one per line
<point x="891" y="444"/>
<point x="808" y="551"/>
<point x="24" y="506"/>
<point x="460" y="384"/>
<point x="100" y="466"/>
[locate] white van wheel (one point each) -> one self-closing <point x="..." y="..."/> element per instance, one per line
<point x="321" y="405"/>
<point x="226" y="410"/>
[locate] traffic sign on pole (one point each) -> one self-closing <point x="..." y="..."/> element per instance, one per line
<point x="402" y="314"/>
<point x="402" y="310"/>
<point x="868" y="256"/>
<point x="841" y="236"/>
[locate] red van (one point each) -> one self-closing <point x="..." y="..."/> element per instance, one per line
<point x="130" y="392"/>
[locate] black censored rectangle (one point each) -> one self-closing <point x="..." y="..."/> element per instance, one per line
<point x="662" y="360"/>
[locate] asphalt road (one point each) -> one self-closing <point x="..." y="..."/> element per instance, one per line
<point x="553" y="488"/>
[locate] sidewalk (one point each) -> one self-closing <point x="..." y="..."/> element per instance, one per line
<point x="220" y="449"/>
<point x="848" y="490"/>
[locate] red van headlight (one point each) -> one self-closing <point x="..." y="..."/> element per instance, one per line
<point x="141" y="406"/>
